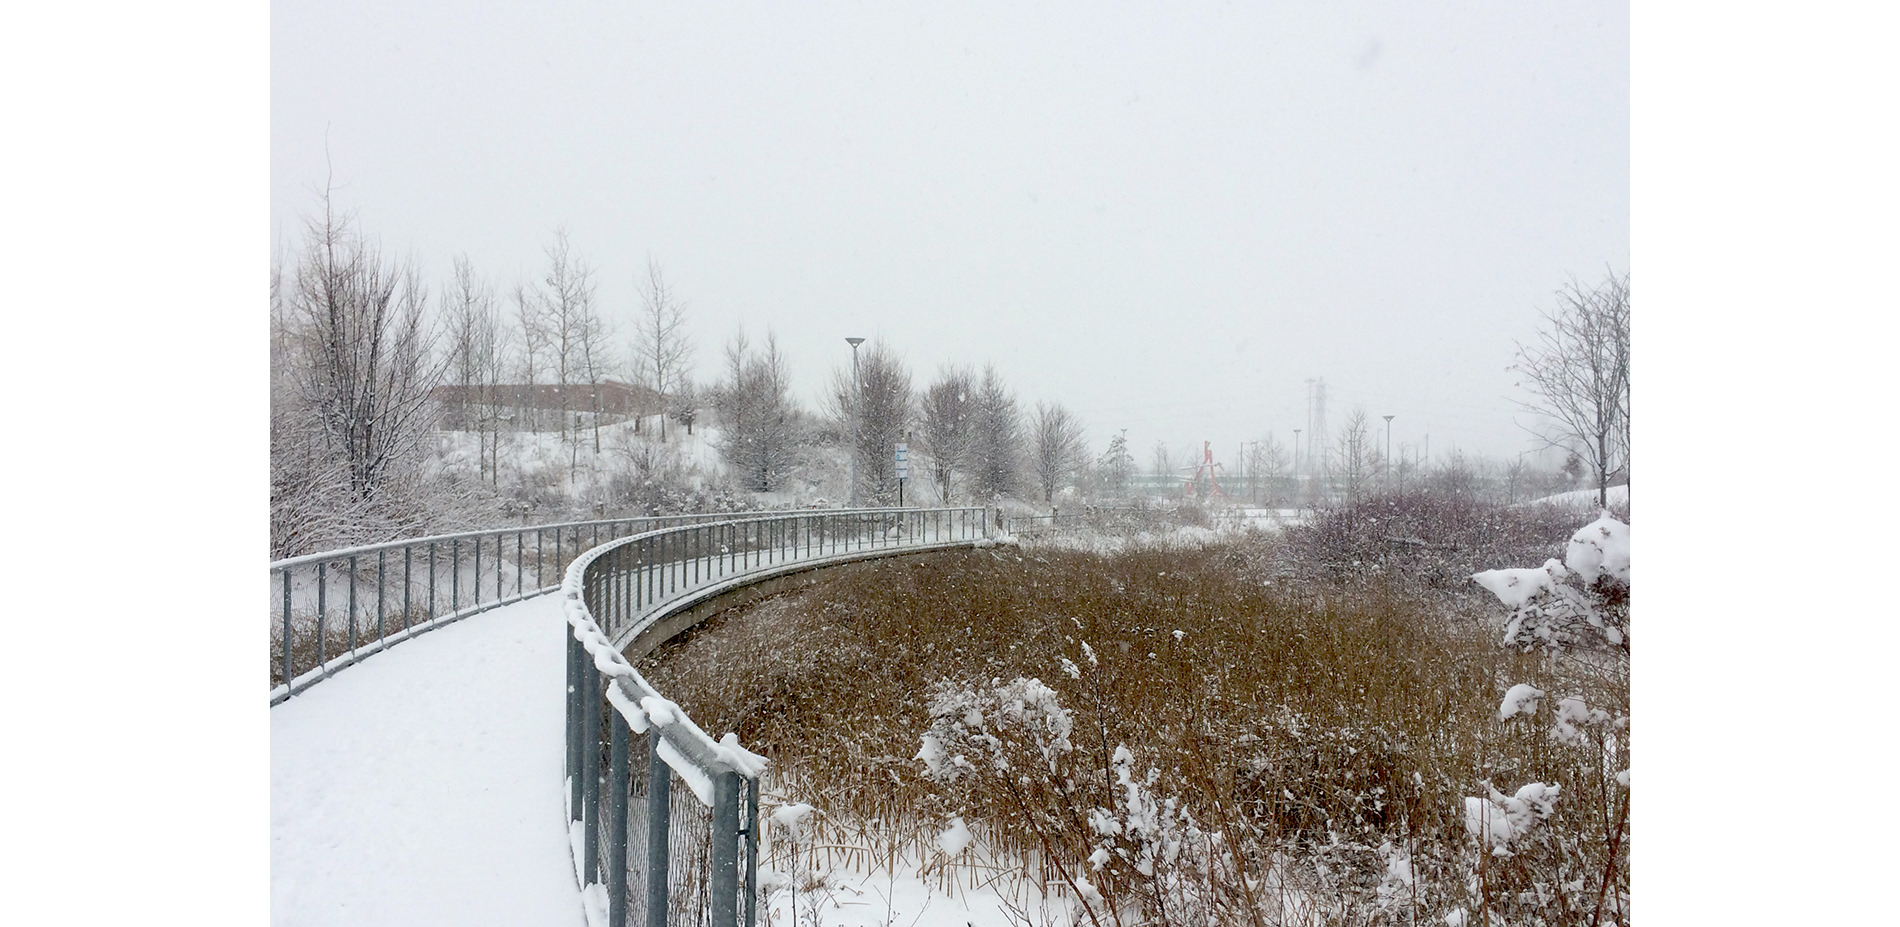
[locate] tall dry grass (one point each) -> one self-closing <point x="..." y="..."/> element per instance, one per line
<point x="1320" y="734"/>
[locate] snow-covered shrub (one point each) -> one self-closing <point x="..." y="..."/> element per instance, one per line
<point x="1581" y="601"/>
<point x="994" y="727"/>
<point x="1151" y="843"/>
<point x="1497" y="820"/>
<point x="1576" y="609"/>
<point x="1005" y="747"/>
<point x="1428" y="540"/>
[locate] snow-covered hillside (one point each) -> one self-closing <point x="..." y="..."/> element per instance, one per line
<point x="1619" y="496"/>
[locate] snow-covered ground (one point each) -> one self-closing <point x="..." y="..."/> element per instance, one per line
<point x="1583" y="498"/>
<point x="423" y="786"/>
<point x="695" y="455"/>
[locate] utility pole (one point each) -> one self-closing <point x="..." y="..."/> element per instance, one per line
<point x="1296" y="467"/>
<point x="857" y="391"/>
<point x="1388" y="451"/>
<point x="1253" y="472"/>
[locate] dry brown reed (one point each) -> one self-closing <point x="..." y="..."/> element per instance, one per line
<point x="1314" y="728"/>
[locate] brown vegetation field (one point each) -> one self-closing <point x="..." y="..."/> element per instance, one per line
<point x="1304" y="717"/>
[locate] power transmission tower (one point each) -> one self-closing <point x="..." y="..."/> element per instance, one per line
<point x="1316" y="437"/>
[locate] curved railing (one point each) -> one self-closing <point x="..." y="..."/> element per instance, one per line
<point x="622" y="596"/>
<point x="334" y="608"/>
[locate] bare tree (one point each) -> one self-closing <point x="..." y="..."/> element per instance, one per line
<point x="1116" y="465"/>
<point x="1354" y="459"/>
<point x="1579" y="373"/>
<point x="996" y="443"/>
<point x="883" y="417"/>
<point x="948" y="419"/>
<point x="1454" y="476"/>
<point x="756" y="413"/>
<point x="568" y="317"/>
<point x="309" y="488"/>
<point x="534" y="340"/>
<point x="594" y="337"/>
<point x="1517" y="475"/>
<point x="1059" y="446"/>
<point x="1268" y="463"/>
<point x="359" y="362"/>
<point x="1162" y="461"/>
<point x="477" y="348"/>
<point x="662" y="352"/>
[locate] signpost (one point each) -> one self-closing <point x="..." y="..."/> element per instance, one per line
<point x="903" y="470"/>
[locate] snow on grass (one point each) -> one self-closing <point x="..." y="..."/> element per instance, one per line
<point x="424" y="786"/>
<point x="843" y="898"/>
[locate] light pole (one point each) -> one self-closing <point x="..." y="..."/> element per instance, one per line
<point x="1388" y="451"/>
<point x="1296" y="467"/>
<point x="1253" y="473"/>
<point x="856" y="394"/>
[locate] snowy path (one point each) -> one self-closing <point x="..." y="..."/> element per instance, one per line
<point x="423" y="786"/>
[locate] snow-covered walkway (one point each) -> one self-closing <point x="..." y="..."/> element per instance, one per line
<point x="423" y="786"/>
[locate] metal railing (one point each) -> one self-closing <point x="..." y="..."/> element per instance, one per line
<point x="331" y="609"/>
<point x="686" y="850"/>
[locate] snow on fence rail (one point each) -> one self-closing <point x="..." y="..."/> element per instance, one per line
<point x="334" y="608"/>
<point x="617" y="596"/>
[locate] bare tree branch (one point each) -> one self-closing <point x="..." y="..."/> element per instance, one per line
<point x="1579" y="373"/>
<point x="662" y="351"/>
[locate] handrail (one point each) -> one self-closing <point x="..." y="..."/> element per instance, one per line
<point x="332" y="609"/>
<point x="305" y="559"/>
<point x="614" y="593"/>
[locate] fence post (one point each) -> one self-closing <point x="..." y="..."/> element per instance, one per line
<point x="287" y="676"/>
<point x="322" y="582"/>
<point x="617" y="825"/>
<point x="574" y="655"/>
<point x="659" y="820"/>
<point x="590" y="771"/>
<point x="352" y="603"/>
<point x="725" y="850"/>
<point x="751" y="851"/>
<point x="381" y="631"/>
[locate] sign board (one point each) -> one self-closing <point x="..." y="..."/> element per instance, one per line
<point x="903" y="461"/>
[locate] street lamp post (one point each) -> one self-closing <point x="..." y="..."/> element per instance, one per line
<point x="1388" y="452"/>
<point x="1296" y="467"/>
<point x="857" y="391"/>
<point x="1246" y="467"/>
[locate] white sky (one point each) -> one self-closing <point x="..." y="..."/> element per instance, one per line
<point x="1166" y="218"/>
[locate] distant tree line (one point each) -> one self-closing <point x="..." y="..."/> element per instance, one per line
<point x="365" y="373"/>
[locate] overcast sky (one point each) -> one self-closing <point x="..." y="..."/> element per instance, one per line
<point x="1167" y="218"/>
